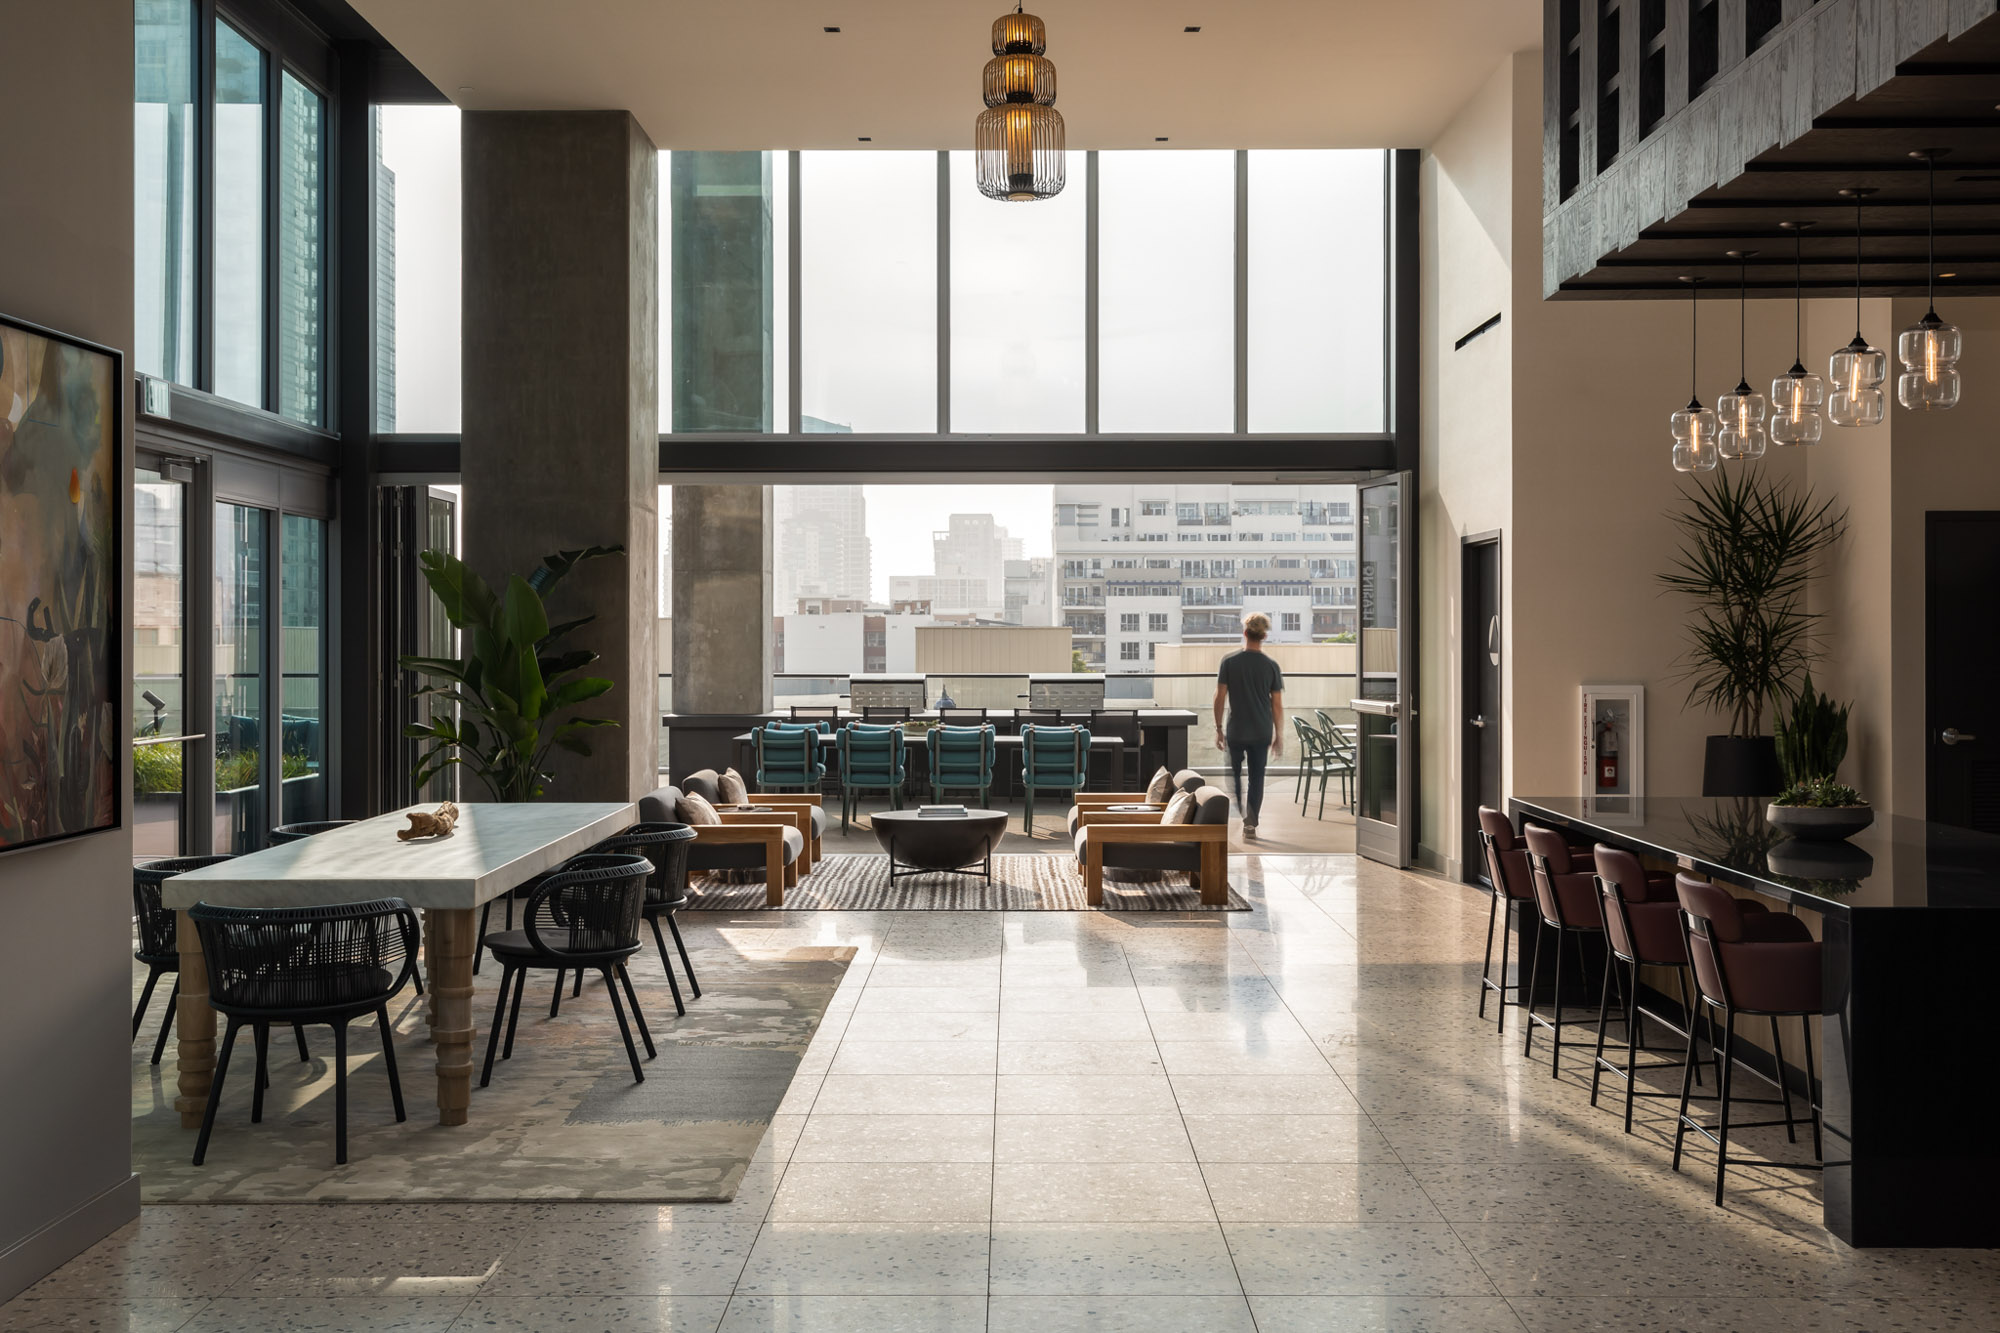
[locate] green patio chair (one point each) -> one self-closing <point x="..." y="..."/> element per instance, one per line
<point x="1052" y="759"/>
<point x="871" y="759"/>
<point x="961" y="758"/>
<point x="788" y="758"/>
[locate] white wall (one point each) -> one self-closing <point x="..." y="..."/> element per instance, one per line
<point x="66" y="1174"/>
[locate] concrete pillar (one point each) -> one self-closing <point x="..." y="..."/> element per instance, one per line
<point x="561" y="416"/>
<point x="722" y="599"/>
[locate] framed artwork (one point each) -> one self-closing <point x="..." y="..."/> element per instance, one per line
<point x="62" y="520"/>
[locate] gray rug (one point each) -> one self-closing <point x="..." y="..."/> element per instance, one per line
<point x="1019" y="884"/>
<point x="561" y="1120"/>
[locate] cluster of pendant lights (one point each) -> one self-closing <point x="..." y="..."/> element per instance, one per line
<point x="1744" y="421"/>
<point x="1018" y="139"/>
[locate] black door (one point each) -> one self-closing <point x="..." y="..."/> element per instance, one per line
<point x="1962" y="724"/>
<point x="1479" y="702"/>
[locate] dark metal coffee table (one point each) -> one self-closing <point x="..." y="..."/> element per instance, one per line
<point x="918" y="845"/>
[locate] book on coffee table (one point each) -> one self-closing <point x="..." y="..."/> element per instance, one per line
<point x="940" y="812"/>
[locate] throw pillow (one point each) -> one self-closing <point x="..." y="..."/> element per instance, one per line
<point x="1180" y="810"/>
<point x="733" y="790"/>
<point x="697" y="811"/>
<point x="1157" y="789"/>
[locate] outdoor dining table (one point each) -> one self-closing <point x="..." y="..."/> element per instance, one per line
<point x="493" y="850"/>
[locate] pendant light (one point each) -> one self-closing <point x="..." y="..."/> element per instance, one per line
<point x="1018" y="139"/>
<point x="1929" y="348"/>
<point x="1797" y="394"/>
<point x="1694" y="426"/>
<point x="1857" y="370"/>
<point x="1742" y="409"/>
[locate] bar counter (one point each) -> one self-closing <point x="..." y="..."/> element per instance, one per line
<point x="1907" y="915"/>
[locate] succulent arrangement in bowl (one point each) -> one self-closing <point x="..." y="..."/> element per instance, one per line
<point x="1812" y="741"/>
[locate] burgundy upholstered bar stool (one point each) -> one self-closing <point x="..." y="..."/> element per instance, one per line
<point x="1642" y="928"/>
<point x="1748" y="962"/>
<point x="1566" y="897"/>
<point x="1513" y="884"/>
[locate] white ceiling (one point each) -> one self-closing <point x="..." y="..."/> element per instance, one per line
<point x="761" y="74"/>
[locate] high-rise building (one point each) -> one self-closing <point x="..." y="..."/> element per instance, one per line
<point x="385" y="287"/>
<point x="819" y="544"/>
<point x="973" y="547"/>
<point x="1149" y="564"/>
<point x="1031" y="587"/>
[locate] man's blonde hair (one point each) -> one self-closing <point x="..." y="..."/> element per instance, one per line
<point x="1256" y="625"/>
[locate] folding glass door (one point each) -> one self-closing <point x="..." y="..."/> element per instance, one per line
<point x="1385" y="779"/>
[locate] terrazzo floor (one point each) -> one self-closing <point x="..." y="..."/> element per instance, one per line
<point x="1287" y="1119"/>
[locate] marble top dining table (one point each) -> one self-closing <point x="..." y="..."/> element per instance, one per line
<point x="493" y="849"/>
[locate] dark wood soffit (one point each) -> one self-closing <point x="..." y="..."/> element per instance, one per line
<point x="1776" y="137"/>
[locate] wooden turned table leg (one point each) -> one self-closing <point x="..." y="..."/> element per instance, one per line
<point x="194" y="1026"/>
<point x="448" y="951"/>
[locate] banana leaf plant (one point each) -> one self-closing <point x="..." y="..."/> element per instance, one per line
<point x="514" y="683"/>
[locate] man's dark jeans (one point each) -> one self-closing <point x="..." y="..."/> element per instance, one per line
<point x="1256" y="751"/>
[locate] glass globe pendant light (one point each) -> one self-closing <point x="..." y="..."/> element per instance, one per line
<point x="1929" y="348"/>
<point x="1018" y="139"/>
<point x="1797" y="394"/>
<point x="1857" y="370"/>
<point x="1742" y="409"/>
<point x="1694" y="426"/>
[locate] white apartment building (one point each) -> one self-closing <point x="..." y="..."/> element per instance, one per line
<point x="1141" y="565"/>
<point x="1031" y="589"/>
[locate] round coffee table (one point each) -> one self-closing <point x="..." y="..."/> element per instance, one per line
<point x="919" y="844"/>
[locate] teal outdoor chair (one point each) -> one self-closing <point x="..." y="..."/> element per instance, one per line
<point x="871" y="759"/>
<point x="1052" y="759"/>
<point x="961" y="758"/>
<point x="788" y="758"/>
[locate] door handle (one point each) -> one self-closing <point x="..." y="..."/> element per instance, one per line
<point x="1479" y="721"/>
<point x="1953" y="736"/>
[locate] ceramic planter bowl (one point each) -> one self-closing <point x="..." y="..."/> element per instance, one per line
<point x="1820" y="824"/>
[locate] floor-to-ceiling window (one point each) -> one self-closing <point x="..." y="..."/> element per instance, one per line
<point x="302" y="651"/>
<point x="238" y="263"/>
<point x="242" y="676"/>
<point x="163" y="157"/>
<point x="159" y="662"/>
<point x="301" y="243"/>
<point x="417" y="270"/>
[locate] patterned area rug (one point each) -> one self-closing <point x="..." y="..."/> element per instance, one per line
<point x="562" y="1119"/>
<point x="1020" y="884"/>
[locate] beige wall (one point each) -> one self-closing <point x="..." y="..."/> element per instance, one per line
<point x="1025" y="648"/>
<point x="66" y="1174"/>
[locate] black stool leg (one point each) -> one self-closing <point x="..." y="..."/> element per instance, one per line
<point x="1681" y="979"/>
<point x="579" y="984"/>
<point x="167" y="1023"/>
<point x="638" y="1015"/>
<point x="1728" y="1078"/>
<point x="493" y="1034"/>
<point x="1784" y="1084"/>
<point x="1634" y="1039"/>
<point x="694" y="985"/>
<point x="1603" y="1004"/>
<point x="299" y="1031"/>
<point x="1556" y="1042"/>
<point x="417" y="975"/>
<point x="389" y="1059"/>
<point x="1506" y="939"/>
<point x="1687" y="1089"/>
<point x="1534" y="980"/>
<point x="263" y="1034"/>
<point x="215" y="1091"/>
<point x="514" y="1012"/>
<point x="146" y="998"/>
<point x="340" y="1092"/>
<point x="485" y="920"/>
<point x="1812" y="1102"/>
<point x="1486" y="966"/>
<point x="624" y="1029"/>
<point x="555" y="996"/>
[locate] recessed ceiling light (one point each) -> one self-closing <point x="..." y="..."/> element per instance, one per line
<point x="865" y="138"/>
<point x="1192" y="27"/>
<point x="829" y="30"/>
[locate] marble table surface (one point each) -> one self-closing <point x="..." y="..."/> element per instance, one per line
<point x="494" y="848"/>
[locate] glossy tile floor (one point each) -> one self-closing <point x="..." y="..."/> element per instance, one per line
<point x="1281" y="1120"/>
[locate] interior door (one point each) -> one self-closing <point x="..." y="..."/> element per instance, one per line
<point x="1479" y="702"/>
<point x="1385" y="746"/>
<point x="1962" y="721"/>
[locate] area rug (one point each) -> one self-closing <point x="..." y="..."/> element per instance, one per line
<point x="1020" y="884"/>
<point x="561" y="1120"/>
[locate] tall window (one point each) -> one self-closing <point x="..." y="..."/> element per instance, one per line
<point x="724" y="301"/>
<point x="163" y="157"/>
<point x="868" y="291"/>
<point x="301" y="658"/>
<point x="301" y="252"/>
<point x="239" y="217"/>
<point x="241" y="677"/>
<point x="159" y="664"/>
<point x="1017" y="306"/>
<point x="417" y="262"/>
<point x="1166" y="291"/>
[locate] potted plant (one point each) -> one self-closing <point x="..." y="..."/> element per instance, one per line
<point x="1750" y="547"/>
<point x="512" y="684"/>
<point x="1820" y="810"/>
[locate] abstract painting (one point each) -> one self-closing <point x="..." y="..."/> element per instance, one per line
<point x="61" y="520"/>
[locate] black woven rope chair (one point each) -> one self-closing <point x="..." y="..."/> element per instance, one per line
<point x="159" y="937"/>
<point x="300" y="832"/>
<point x="305" y="965"/>
<point x="583" y="916"/>
<point x="666" y="846"/>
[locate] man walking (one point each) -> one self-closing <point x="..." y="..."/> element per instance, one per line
<point x="1253" y="687"/>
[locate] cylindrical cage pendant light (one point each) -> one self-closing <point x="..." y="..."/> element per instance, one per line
<point x="1018" y="140"/>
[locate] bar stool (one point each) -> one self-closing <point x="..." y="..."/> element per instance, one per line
<point x="1513" y="884"/>
<point x="1747" y="962"/>
<point x="1567" y="900"/>
<point x="1641" y="929"/>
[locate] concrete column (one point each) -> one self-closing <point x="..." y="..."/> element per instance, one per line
<point x="722" y="599"/>
<point x="561" y="417"/>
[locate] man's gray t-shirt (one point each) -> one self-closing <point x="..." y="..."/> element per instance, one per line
<point x="1251" y="678"/>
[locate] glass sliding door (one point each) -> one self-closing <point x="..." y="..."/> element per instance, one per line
<point x="302" y="649"/>
<point x="242" y="671"/>
<point x="1385" y="783"/>
<point x="159" y="665"/>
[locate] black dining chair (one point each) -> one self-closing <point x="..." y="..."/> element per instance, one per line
<point x="1122" y="723"/>
<point x="159" y="938"/>
<point x="302" y="965"/>
<point x="961" y="717"/>
<point x="665" y="845"/>
<point x="584" y="915"/>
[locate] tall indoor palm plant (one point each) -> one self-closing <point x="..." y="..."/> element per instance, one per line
<point x="1750" y="548"/>
<point x="513" y="681"/>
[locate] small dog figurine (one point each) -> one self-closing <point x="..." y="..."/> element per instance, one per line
<point x="437" y="824"/>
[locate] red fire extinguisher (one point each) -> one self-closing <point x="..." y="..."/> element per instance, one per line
<point x="1607" y="756"/>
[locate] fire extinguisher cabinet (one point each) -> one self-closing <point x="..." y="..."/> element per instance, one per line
<point x="1614" y="748"/>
